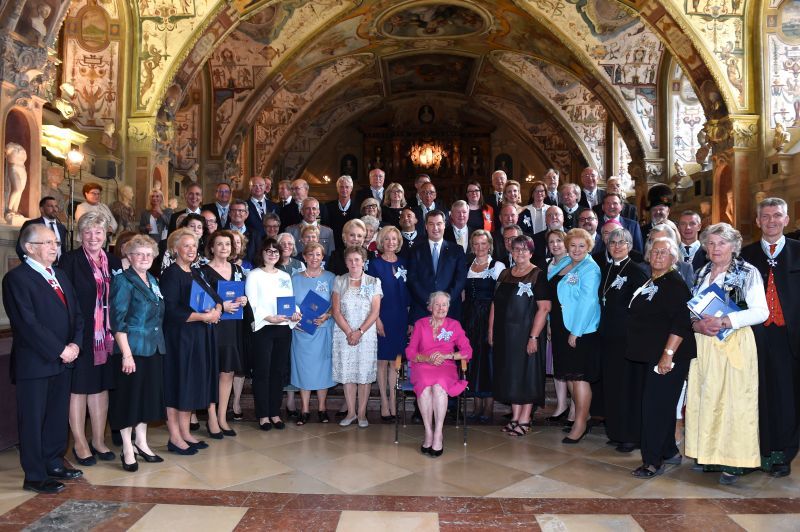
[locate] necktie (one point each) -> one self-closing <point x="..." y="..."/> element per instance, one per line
<point x="57" y="288"/>
<point x="260" y="209"/>
<point x="687" y="254"/>
<point x="772" y="248"/>
<point x="435" y="256"/>
<point x="223" y="216"/>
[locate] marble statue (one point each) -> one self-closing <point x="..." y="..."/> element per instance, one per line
<point x="681" y="177"/>
<point x="54" y="176"/>
<point x="16" y="178"/>
<point x="38" y="22"/>
<point x="122" y="209"/>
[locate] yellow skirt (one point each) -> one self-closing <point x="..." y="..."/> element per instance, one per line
<point x="722" y="401"/>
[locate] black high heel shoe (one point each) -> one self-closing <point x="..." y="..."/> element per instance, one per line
<point x="88" y="461"/>
<point x="105" y="457"/>
<point x="215" y="435"/>
<point x="560" y="418"/>
<point x="570" y="441"/>
<point x="436" y="454"/>
<point x="228" y="432"/>
<point x="425" y="450"/>
<point x="171" y="447"/>
<point x="194" y="426"/>
<point x="149" y="458"/>
<point x="130" y="468"/>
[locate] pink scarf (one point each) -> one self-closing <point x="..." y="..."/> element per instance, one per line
<point x="103" y="341"/>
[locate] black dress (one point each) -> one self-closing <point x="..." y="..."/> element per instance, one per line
<point x="623" y="379"/>
<point x="518" y="376"/>
<point x="88" y="378"/>
<point x="390" y="216"/>
<point x="579" y="363"/>
<point x="191" y="369"/>
<point x="229" y="333"/>
<point x="475" y="220"/>
<point x="475" y="321"/>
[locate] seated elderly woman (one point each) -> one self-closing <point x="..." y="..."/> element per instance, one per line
<point x="722" y="398"/>
<point x="435" y="344"/>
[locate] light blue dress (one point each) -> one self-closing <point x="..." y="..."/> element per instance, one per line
<point x="311" y="354"/>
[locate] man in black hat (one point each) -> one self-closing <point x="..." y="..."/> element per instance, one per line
<point x="660" y="200"/>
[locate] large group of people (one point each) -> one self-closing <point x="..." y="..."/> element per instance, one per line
<point x="302" y="295"/>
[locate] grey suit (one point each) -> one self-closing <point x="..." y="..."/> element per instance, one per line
<point x="325" y="237"/>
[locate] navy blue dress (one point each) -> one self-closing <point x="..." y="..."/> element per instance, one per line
<point x="394" y="306"/>
<point x="191" y="366"/>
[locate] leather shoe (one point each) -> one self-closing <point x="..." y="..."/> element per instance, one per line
<point x="65" y="473"/>
<point x="86" y="462"/>
<point x="43" y="486"/>
<point x="106" y="456"/>
<point x="626" y="447"/>
<point x="781" y="470"/>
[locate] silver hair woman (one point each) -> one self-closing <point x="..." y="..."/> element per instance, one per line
<point x="722" y="398"/>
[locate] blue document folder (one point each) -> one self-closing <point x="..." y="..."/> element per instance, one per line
<point x="312" y="307"/>
<point x="228" y="291"/>
<point x="286" y="306"/>
<point x="713" y="302"/>
<point x="199" y="299"/>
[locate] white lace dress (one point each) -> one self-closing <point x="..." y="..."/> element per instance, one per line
<point x="356" y="364"/>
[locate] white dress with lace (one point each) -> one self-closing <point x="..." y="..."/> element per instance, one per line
<point x="356" y="364"/>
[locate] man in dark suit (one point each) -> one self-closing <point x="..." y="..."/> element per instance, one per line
<point x="777" y="258"/>
<point x="591" y="194"/>
<point x="48" y="208"/>
<point x="221" y="205"/>
<point x="258" y="205"/>
<point x="659" y="213"/>
<point x="457" y="230"/>
<point x="689" y="226"/>
<point x="47" y="326"/>
<point x="436" y="265"/>
<point x="310" y="214"/>
<point x="374" y="190"/>
<point x="554" y="219"/>
<point x="501" y="243"/>
<point x="194" y="198"/>
<point x="237" y="221"/>
<point x="570" y="193"/>
<point x="495" y="196"/>
<point x="291" y="212"/>
<point x="551" y="182"/>
<point x="428" y="195"/>
<point x="341" y="210"/>
<point x="412" y="238"/>
<point x="612" y="207"/>
<point x="629" y="210"/>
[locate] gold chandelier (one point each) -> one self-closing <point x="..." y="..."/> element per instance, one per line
<point x="428" y="154"/>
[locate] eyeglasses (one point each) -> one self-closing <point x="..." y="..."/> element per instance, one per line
<point x="617" y="243"/>
<point x="271" y="251"/>
<point x="45" y="243"/>
<point x="224" y="192"/>
<point x="239" y="210"/>
<point x="520" y="250"/>
<point x="585" y="219"/>
<point x="474" y="191"/>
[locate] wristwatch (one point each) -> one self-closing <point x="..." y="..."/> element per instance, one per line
<point x="669" y="352"/>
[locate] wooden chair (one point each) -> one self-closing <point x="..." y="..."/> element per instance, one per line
<point x="404" y="389"/>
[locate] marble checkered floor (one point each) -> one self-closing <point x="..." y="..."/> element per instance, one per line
<point x="324" y="477"/>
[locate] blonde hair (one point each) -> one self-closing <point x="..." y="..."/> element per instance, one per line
<point x="385" y="231"/>
<point x="177" y="235"/>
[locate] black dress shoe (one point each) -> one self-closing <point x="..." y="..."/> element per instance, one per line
<point x="560" y="418"/>
<point x="267" y="425"/>
<point x="228" y="432"/>
<point x="171" y="447"/>
<point x="340" y="414"/>
<point x="65" y="473"/>
<point x="105" y="457"/>
<point x="626" y="447"/>
<point x="388" y="419"/>
<point x="425" y="450"/>
<point x="436" y="453"/>
<point x="279" y="425"/>
<point x="198" y="445"/>
<point x="88" y="461"/>
<point x="292" y="414"/>
<point x="781" y="470"/>
<point x="130" y="468"/>
<point x="194" y="426"/>
<point x="238" y="416"/>
<point x="215" y="435"/>
<point x="43" y="486"/>
<point x="570" y="441"/>
<point x="149" y="458"/>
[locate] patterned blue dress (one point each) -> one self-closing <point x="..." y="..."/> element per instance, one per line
<point x="311" y="354"/>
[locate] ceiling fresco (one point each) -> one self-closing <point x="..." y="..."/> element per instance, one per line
<point x="432" y="20"/>
<point x="429" y="72"/>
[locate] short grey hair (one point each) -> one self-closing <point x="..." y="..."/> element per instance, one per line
<point x="673" y="248"/>
<point x="621" y="233"/>
<point x="92" y="219"/>
<point x="459" y="204"/>
<point x="573" y="186"/>
<point x="666" y="227"/>
<point x="726" y="232"/>
<point x="241" y="202"/>
<point x="773" y="202"/>
<point x="346" y="179"/>
<point x="31" y="232"/>
<point x="434" y="295"/>
<point x="371" y="221"/>
<point x="291" y="239"/>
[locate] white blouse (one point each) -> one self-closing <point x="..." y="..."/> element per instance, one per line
<point x="263" y="290"/>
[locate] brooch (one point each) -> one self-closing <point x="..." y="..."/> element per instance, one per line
<point x="116" y="272"/>
<point x="156" y="290"/>
<point x="367" y="290"/>
<point x="527" y="222"/>
<point x="572" y="278"/>
<point x="366" y="264"/>
<point x="618" y="282"/>
<point x="444" y="335"/>
<point x="401" y="272"/>
<point x="237" y="276"/>
<point x="285" y="283"/>
<point x="322" y="287"/>
<point x="650" y="292"/>
<point x="524" y="289"/>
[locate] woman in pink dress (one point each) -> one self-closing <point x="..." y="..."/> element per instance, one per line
<point x="436" y="343"/>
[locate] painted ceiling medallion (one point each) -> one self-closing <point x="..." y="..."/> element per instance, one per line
<point x="432" y="20"/>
